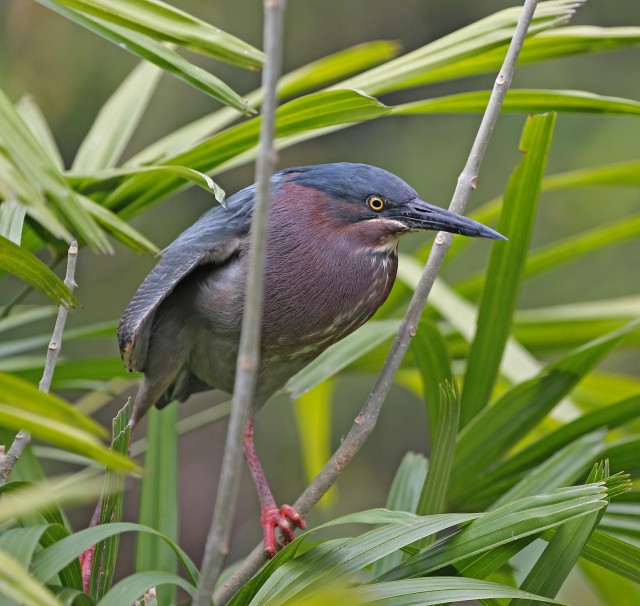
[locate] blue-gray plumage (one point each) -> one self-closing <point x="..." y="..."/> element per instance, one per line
<point x="331" y="262"/>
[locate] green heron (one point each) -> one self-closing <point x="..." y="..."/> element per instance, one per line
<point x="332" y="256"/>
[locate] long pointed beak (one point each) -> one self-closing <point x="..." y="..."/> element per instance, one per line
<point x="421" y="215"/>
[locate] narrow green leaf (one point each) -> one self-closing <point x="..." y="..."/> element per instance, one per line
<point x="610" y="416"/>
<point x="117" y="120"/>
<point x="33" y="117"/>
<point x="556" y="254"/>
<point x="313" y="410"/>
<point x="551" y="569"/>
<point x="26" y="266"/>
<point x="159" y="498"/>
<point x="544" y="46"/>
<point x="434" y="489"/>
<point x="340" y="355"/>
<point x="136" y="585"/>
<point x="92" y="331"/>
<point x="164" y="22"/>
<point x="118" y="228"/>
<point x="51" y="560"/>
<point x="21" y="543"/>
<point x="17" y="584"/>
<point x="312" y="111"/>
<point x="20" y="499"/>
<point x="300" y="81"/>
<point x="97" y="179"/>
<point x="523" y="100"/>
<point x="65" y="436"/>
<point x="496" y="429"/>
<point x="561" y="469"/>
<point x="509" y="523"/>
<point x="504" y="273"/>
<point x="435" y="590"/>
<point x="403" y="496"/>
<point x="112" y="503"/>
<point x="494" y="31"/>
<point x="434" y="364"/>
<point x="612" y="553"/>
<point x="309" y="573"/>
<point x="12" y="214"/>
<point x="16" y="186"/>
<point x="23" y="396"/>
<point x="157" y="53"/>
<point x="33" y="163"/>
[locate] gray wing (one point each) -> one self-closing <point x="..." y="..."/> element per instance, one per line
<point x="213" y="238"/>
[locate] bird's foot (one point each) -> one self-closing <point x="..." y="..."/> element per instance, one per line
<point x="285" y="519"/>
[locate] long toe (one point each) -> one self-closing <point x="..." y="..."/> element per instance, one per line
<point x="284" y="518"/>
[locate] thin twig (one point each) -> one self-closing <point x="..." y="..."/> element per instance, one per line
<point x="249" y="353"/>
<point x="8" y="461"/>
<point x="366" y="420"/>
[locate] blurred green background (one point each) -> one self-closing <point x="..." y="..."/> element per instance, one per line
<point x="71" y="72"/>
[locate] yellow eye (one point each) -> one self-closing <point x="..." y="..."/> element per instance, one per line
<point x="375" y="203"/>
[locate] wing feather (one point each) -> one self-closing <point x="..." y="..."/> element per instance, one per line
<point x="213" y="238"/>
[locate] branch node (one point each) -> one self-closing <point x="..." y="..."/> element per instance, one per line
<point x="441" y="238"/>
<point x="413" y="330"/>
<point x="501" y="79"/>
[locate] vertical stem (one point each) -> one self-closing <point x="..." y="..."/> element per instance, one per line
<point x="8" y="461"/>
<point x="249" y="352"/>
<point x="366" y="420"/>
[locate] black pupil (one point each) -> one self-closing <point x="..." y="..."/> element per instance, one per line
<point x="376" y="203"/>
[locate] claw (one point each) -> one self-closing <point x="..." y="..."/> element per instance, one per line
<point x="284" y="519"/>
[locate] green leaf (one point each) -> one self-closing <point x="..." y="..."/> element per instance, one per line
<point x="299" y="81"/>
<point x="340" y="355"/>
<point x="117" y="120"/>
<point x="496" y="429"/>
<point x="21" y="543"/>
<point x="159" y="497"/>
<point x="112" y="503"/>
<point x="22" y="396"/>
<point x="18" y="585"/>
<point x="20" y="499"/>
<point x="551" y="569"/>
<point x="118" y="228"/>
<point x="33" y="117"/>
<point x="434" y="590"/>
<point x="556" y="254"/>
<point x="312" y="570"/>
<point x="164" y="22"/>
<point x="51" y="560"/>
<point x="65" y="436"/>
<point x="26" y="266"/>
<point x="313" y="409"/>
<point x="403" y="496"/>
<point x="312" y="111"/>
<point x="612" y="553"/>
<point x="157" y="53"/>
<point x="417" y="68"/>
<point x="434" y="364"/>
<point x="504" y="273"/>
<point x="561" y="469"/>
<point x="522" y="100"/>
<point x="434" y="489"/>
<point x="12" y="214"/>
<point x="509" y="523"/>
<point x="136" y="585"/>
<point x="32" y="162"/>
<point x="97" y="179"/>
<point x="544" y="46"/>
<point x="92" y="331"/>
<point x="610" y="416"/>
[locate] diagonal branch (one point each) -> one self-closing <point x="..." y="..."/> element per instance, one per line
<point x="366" y="420"/>
<point x="8" y="461"/>
<point x="249" y="353"/>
